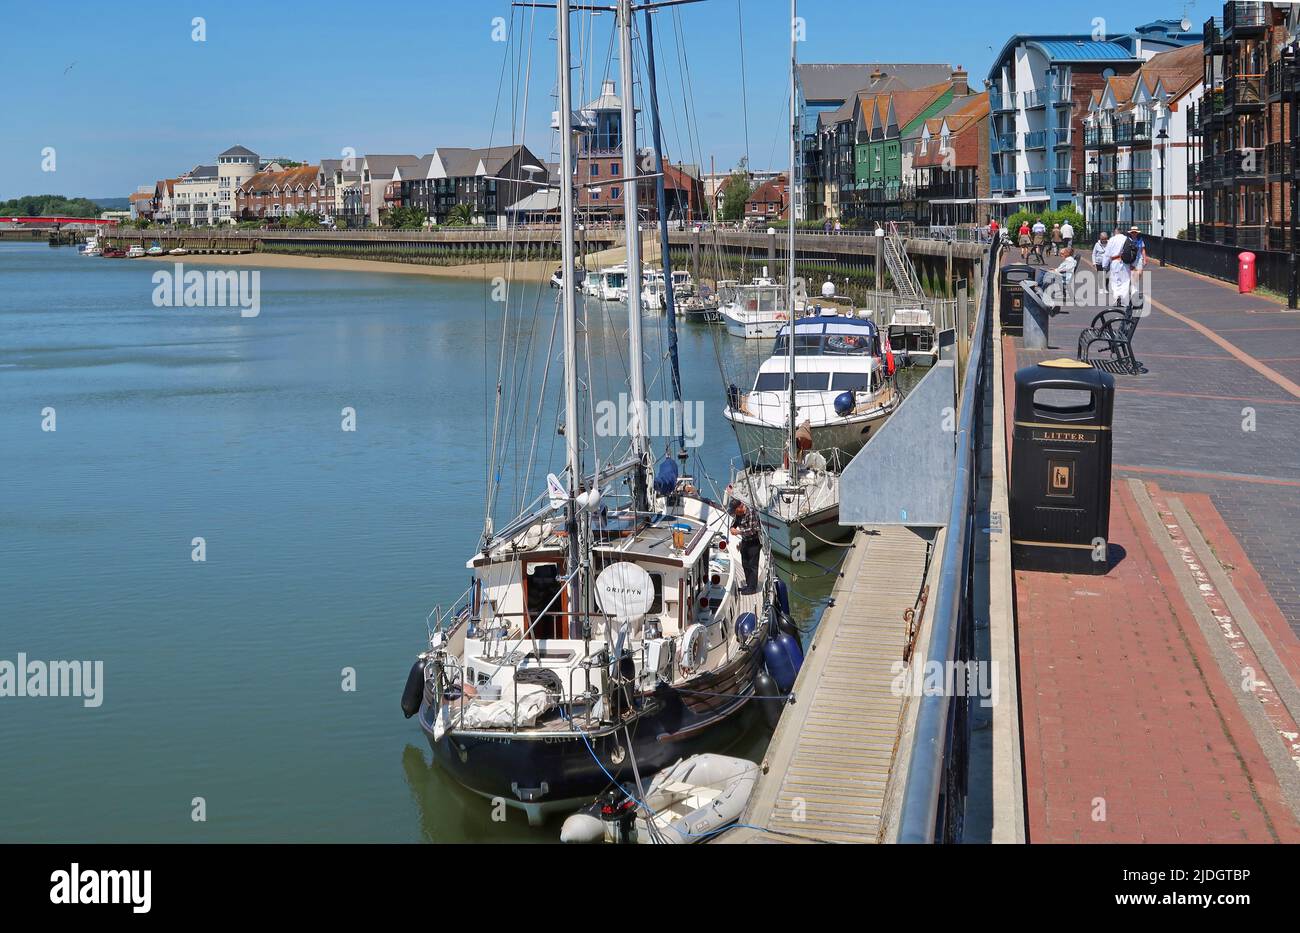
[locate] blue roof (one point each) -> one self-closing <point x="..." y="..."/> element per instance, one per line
<point x="1087" y="50"/>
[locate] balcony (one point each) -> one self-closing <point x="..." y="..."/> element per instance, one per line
<point x="1007" y="141"/>
<point x="1244" y="93"/>
<point x="1213" y="35"/>
<point x="1034" y="97"/>
<point x="1100" y="183"/>
<point x="1003" y="182"/>
<point x="1193" y="117"/>
<point x="1098" y="137"/>
<point x="1036" y="139"/>
<point x="1244" y="20"/>
<point x="1062" y="94"/>
<point x="1278" y="159"/>
<point x="1060" y="136"/>
<point x="1135" y="180"/>
<point x="1243" y="165"/>
<point x="1035" y="181"/>
<point x="1129" y="133"/>
<point x="1063" y="180"/>
<point x="1002" y="103"/>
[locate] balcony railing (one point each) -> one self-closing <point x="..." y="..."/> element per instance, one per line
<point x="1063" y="180"/>
<point x="1139" y="180"/>
<point x="1007" y="141"/>
<point x="1062" y="94"/>
<point x="1213" y="32"/>
<point x="1035" y="180"/>
<point x="1244" y="17"/>
<point x="1003" y="182"/>
<point x="1000" y="102"/>
<point x="1060" y="136"/>
<point x="1096" y="136"/>
<point x="1138" y="131"/>
<point x="1245" y="91"/>
<point x="1036" y="139"/>
<point x="1278" y="158"/>
<point x="1097" y="182"/>
<point x="1034" y="97"/>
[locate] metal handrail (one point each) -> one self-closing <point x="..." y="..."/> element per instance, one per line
<point x="930" y="758"/>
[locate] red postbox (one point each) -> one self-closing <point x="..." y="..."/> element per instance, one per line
<point x="1245" y="273"/>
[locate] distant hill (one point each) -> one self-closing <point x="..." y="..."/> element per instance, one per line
<point x="111" y="204"/>
<point x="54" y="205"/>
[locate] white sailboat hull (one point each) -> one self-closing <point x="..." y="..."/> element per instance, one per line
<point x="765" y="444"/>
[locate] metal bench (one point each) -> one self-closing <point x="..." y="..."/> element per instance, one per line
<point x="1112" y="329"/>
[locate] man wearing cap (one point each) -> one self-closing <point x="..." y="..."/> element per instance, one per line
<point x="745" y="524"/>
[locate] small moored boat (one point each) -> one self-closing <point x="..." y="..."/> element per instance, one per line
<point x="688" y="802"/>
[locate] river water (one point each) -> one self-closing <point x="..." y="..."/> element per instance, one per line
<point x="223" y="690"/>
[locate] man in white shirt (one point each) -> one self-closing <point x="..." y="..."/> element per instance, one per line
<point x="1067" y="234"/>
<point x="1099" y="261"/>
<point x="1119" y="272"/>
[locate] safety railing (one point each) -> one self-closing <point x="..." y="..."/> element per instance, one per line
<point x="934" y="794"/>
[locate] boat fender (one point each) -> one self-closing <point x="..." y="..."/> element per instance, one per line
<point x="694" y="649"/>
<point x="783" y="623"/>
<point x="745" y="627"/>
<point x="765" y="686"/>
<point x="792" y="646"/>
<point x="843" y="404"/>
<point x="783" y="596"/>
<point x="413" y="693"/>
<point x="582" y="828"/>
<point x="780" y="663"/>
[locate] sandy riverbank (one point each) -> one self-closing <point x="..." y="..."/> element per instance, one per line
<point x="533" y="271"/>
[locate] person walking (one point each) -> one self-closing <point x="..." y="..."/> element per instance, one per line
<point x="1067" y="234"/>
<point x="1022" y="237"/>
<point x="1069" y="265"/>
<point x="1140" y="262"/>
<point x="993" y="230"/>
<point x="1121" y="254"/>
<point x="745" y="523"/>
<point x="1056" y="239"/>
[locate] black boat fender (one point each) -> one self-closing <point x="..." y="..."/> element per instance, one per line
<point x="768" y="697"/>
<point x="413" y="693"/>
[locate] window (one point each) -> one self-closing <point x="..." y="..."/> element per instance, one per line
<point x="780" y="382"/>
<point x="614" y="193"/>
<point x="595" y="169"/>
<point x="613" y="169"/>
<point x="849" y="382"/>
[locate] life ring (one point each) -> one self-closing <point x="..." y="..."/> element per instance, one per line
<point x="780" y="315"/>
<point x="694" y="649"/>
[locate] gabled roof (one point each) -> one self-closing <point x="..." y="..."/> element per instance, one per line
<point x="383" y="166"/>
<point x="200" y="173"/>
<point x="826" y="82"/>
<point x="303" y="176"/>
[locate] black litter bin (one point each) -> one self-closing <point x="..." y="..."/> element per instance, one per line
<point x="1012" y="311"/>
<point x="1060" y="467"/>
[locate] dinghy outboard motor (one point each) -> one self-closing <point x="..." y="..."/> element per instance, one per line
<point x="413" y="693"/>
<point x="844" y="404"/>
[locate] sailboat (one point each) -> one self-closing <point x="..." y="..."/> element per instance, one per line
<point x="602" y="636"/>
<point x="814" y="404"/>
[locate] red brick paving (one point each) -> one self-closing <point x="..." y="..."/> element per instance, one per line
<point x="1124" y="708"/>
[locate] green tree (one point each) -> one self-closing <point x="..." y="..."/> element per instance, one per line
<point x="462" y="215"/>
<point x="406" y="218"/>
<point x="737" y="193"/>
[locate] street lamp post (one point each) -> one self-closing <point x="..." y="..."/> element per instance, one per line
<point x="1087" y="221"/>
<point x="1163" y="137"/>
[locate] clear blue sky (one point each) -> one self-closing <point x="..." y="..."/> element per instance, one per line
<point x="125" y="96"/>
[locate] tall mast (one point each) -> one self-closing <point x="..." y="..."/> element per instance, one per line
<point x="661" y="204"/>
<point x="632" y="234"/>
<point x="572" y="431"/>
<point x="791" y="314"/>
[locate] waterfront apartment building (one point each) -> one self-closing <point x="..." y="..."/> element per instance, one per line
<point x="1040" y="88"/>
<point x="486" y="181"/>
<point x="1135" y="140"/>
<point x="830" y="99"/>
<point x="235" y="166"/>
<point x="950" y="165"/>
<point x="1242" y="132"/>
<point x="196" y="197"/>
<point x="276" y="193"/>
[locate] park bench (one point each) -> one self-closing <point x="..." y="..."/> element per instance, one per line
<point x="1112" y="330"/>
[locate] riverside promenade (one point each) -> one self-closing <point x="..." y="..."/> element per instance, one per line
<point x="1159" y="703"/>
